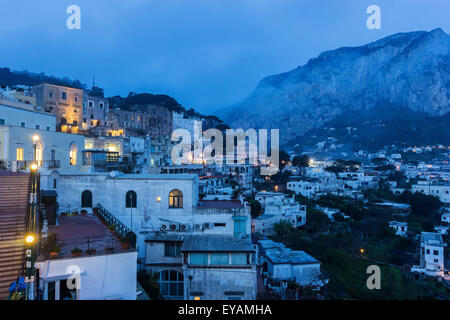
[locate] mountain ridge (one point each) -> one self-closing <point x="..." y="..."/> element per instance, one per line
<point x="409" y="69"/>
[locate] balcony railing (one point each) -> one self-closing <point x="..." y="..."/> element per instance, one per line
<point x="122" y="230"/>
<point x="25" y="165"/>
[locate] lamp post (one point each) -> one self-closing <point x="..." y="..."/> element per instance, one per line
<point x="30" y="238"/>
<point x="35" y="141"/>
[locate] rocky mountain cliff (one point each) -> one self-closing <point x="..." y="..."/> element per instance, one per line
<point x="405" y="71"/>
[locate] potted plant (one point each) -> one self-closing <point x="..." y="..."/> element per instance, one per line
<point x="54" y="252"/>
<point x="91" y="251"/>
<point x="77" y="252"/>
<point x="83" y="212"/>
<point x="75" y="213"/>
<point x="50" y="247"/>
<point x="125" y="244"/>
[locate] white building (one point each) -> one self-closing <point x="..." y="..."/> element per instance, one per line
<point x="219" y="267"/>
<point x="182" y="121"/>
<point x="105" y="275"/>
<point x="401" y="228"/>
<point x="278" y="207"/>
<point x="23" y="115"/>
<point x="431" y="255"/>
<point x="281" y="263"/>
<point x="161" y="209"/>
<point x="142" y="202"/>
<point x="445" y="217"/>
<point x="442" y="191"/>
<point x="442" y="229"/>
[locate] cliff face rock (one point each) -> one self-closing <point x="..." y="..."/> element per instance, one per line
<point x="407" y="70"/>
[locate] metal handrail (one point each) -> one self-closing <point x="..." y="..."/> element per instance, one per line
<point x="121" y="229"/>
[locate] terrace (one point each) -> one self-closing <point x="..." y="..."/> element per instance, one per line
<point x="81" y="235"/>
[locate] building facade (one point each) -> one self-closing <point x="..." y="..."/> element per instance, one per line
<point x="63" y="102"/>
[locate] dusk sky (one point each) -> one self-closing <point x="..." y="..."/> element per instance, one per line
<point x="207" y="54"/>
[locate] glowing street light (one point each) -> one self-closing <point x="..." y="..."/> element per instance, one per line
<point x="35" y="138"/>
<point x="29" y="239"/>
<point x="34" y="167"/>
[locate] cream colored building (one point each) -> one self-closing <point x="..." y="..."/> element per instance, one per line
<point x="53" y="149"/>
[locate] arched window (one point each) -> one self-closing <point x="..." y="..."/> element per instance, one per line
<point x="73" y="154"/>
<point x="86" y="199"/>
<point x="131" y="199"/>
<point x="171" y="283"/>
<point x="176" y="199"/>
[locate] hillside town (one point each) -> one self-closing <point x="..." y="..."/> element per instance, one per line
<point x="92" y="207"/>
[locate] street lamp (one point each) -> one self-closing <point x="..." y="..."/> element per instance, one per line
<point x="29" y="239"/>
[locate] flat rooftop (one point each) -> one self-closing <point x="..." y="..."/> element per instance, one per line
<point x="76" y="231"/>
<point x="220" y="204"/>
<point x="288" y="256"/>
<point x="431" y="239"/>
<point x="216" y="243"/>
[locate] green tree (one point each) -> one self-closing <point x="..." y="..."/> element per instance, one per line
<point x="255" y="208"/>
<point x="282" y="228"/>
<point x="301" y="161"/>
<point x="424" y="205"/>
<point x="150" y="284"/>
<point x="284" y="158"/>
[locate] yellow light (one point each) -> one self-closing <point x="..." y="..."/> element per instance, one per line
<point x="34" y="166"/>
<point x="158" y="199"/>
<point x="35" y="138"/>
<point x="361" y="250"/>
<point x="196" y="298"/>
<point x="29" y="238"/>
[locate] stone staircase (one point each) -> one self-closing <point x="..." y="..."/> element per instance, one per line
<point x="14" y="195"/>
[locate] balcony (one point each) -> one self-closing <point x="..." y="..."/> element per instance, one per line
<point x="25" y="165"/>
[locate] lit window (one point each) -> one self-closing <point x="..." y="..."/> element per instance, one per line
<point x="73" y="155"/>
<point x="19" y="154"/>
<point x="39" y="151"/>
<point x="176" y="199"/>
